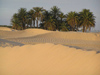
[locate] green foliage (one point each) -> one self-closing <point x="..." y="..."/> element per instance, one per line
<point x="53" y="19"/>
<point x="72" y="19"/>
<point x="55" y="11"/>
<point x="50" y="24"/>
<point x="19" y="19"/>
<point x="87" y="19"/>
<point x="64" y="27"/>
<point x="38" y="13"/>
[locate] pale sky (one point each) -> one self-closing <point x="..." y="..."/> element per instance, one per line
<point x="9" y="7"/>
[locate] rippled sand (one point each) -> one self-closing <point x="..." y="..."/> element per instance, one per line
<point x="42" y="52"/>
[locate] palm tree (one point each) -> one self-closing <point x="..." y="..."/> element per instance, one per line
<point x="22" y="16"/>
<point x="61" y="20"/>
<point x="47" y="15"/>
<point x="87" y="19"/>
<point x="61" y="16"/>
<point x="72" y="18"/>
<point x="32" y="15"/>
<point x="77" y="21"/>
<point x="38" y="13"/>
<point x="55" y="11"/>
<point x="16" y="22"/>
<point x="63" y="26"/>
<point x="28" y="19"/>
<point x="50" y="24"/>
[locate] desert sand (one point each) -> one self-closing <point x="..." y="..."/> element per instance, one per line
<point x="42" y="52"/>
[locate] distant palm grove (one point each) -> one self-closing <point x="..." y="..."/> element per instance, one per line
<point x="53" y="19"/>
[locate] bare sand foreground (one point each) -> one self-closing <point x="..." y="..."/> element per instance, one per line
<point x="41" y="52"/>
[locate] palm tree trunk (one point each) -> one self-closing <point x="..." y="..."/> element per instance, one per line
<point x="77" y="28"/>
<point x="89" y="28"/>
<point x="83" y="28"/>
<point x="33" y="23"/>
<point x="27" y="23"/>
<point x="37" y="23"/>
<point x="86" y="28"/>
<point x="73" y="29"/>
<point x="23" y="26"/>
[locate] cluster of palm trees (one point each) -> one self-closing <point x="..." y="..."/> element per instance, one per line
<point x="53" y="19"/>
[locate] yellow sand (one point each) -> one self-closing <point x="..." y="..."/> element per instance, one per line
<point x="6" y="33"/>
<point x="90" y="41"/>
<point x="46" y="58"/>
<point x="5" y="29"/>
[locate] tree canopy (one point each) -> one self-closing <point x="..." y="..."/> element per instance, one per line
<point x="54" y="19"/>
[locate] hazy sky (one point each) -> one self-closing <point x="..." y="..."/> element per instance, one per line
<point x="9" y="7"/>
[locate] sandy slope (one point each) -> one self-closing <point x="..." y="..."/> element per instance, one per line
<point x="4" y="43"/>
<point x="10" y="33"/>
<point x="48" y="59"/>
<point x="70" y="55"/>
<point x="89" y="41"/>
<point x="5" y="29"/>
<point x="25" y="33"/>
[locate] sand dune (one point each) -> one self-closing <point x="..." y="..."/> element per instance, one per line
<point x="5" y="29"/>
<point x="87" y="41"/>
<point x="90" y="41"/>
<point x="8" y="33"/>
<point x="25" y="33"/>
<point x="4" y="43"/>
<point x="48" y="59"/>
<point x="42" y="52"/>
